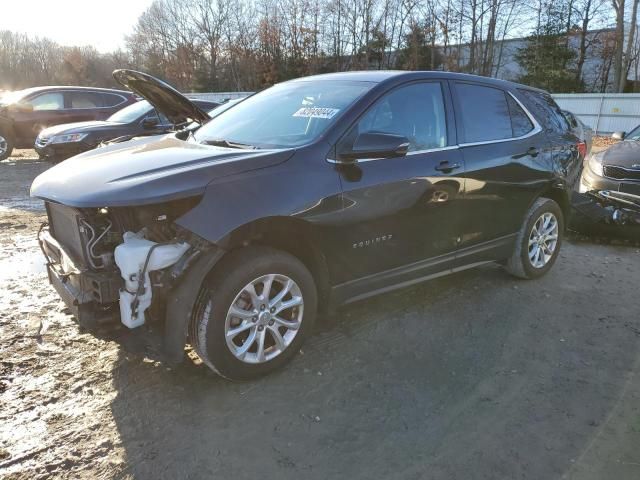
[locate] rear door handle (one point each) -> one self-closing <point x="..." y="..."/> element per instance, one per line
<point x="447" y="167"/>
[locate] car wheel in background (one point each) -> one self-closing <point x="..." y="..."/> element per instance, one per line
<point x="253" y="313"/>
<point x="6" y="145"/>
<point x="539" y="240"/>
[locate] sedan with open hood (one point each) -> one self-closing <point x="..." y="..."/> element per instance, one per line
<point x="311" y="194"/>
<point x="155" y="115"/>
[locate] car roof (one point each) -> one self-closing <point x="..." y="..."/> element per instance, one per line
<point x="205" y="103"/>
<point x="380" y="76"/>
<point x="29" y="91"/>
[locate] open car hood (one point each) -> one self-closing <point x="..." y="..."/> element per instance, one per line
<point x="166" y="99"/>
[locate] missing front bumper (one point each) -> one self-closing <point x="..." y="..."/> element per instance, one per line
<point x="82" y="294"/>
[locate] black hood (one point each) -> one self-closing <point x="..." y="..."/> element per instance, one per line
<point x="623" y="154"/>
<point x="92" y="126"/>
<point x="144" y="171"/>
<point x="166" y="99"/>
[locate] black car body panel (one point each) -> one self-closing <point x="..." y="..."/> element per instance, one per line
<point x="363" y="227"/>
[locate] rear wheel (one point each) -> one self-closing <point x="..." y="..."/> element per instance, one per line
<point x="6" y="146"/>
<point x="254" y="313"/>
<point x="539" y="240"/>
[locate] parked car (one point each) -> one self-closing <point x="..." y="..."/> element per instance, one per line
<point x="23" y="114"/>
<point x="582" y="131"/>
<point x="313" y="193"/>
<point x="616" y="168"/>
<point x="139" y="119"/>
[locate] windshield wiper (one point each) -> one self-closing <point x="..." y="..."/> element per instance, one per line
<point x="220" y="142"/>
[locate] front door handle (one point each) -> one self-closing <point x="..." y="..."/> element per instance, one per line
<point x="447" y="167"/>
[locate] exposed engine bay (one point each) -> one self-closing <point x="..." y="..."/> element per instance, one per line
<point x="108" y="262"/>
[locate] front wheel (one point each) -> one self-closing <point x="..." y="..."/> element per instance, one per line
<point x="253" y="313"/>
<point x="539" y="240"/>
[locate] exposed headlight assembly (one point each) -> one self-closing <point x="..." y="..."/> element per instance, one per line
<point x="72" y="137"/>
<point x="595" y="165"/>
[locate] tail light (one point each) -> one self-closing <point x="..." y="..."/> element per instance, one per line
<point x="582" y="149"/>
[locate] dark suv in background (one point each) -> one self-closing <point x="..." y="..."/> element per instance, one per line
<point x="313" y="193"/>
<point x="24" y="113"/>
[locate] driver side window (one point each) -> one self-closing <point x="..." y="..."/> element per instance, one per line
<point x="48" y="101"/>
<point x="414" y="111"/>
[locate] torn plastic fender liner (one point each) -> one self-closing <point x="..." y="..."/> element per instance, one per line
<point x="180" y="302"/>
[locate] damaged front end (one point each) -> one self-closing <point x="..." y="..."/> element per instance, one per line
<point x="123" y="263"/>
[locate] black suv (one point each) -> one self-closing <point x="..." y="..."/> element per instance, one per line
<point x="314" y="193"/>
<point x="24" y="113"/>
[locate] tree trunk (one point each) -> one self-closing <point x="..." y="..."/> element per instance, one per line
<point x="618" y="5"/>
<point x="630" y="40"/>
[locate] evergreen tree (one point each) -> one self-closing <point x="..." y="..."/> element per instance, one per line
<point x="547" y="60"/>
<point x="417" y="52"/>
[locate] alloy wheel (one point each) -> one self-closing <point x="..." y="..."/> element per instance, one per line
<point x="543" y="240"/>
<point x="264" y="318"/>
<point x="3" y="145"/>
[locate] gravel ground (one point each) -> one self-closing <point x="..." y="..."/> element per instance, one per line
<point x="472" y="376"/>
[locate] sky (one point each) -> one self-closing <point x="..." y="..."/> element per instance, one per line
<point x="102" y="24"/>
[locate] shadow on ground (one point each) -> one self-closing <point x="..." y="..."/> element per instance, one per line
<point x="471" y="376"/>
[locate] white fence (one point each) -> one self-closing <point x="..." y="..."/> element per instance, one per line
<point x="604" y="113"/>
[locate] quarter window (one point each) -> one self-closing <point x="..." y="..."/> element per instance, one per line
<point x="414" y="111"/>
<point x="111" y="100"/>
<point x="485" y="113"/>
<point x="48" y="101"/>
<point x="520" y="122"/>
<point x="547" y="110"/>
<point x="85" y="100"/>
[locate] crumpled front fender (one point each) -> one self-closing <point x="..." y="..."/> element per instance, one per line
<point x="180" y="303"/>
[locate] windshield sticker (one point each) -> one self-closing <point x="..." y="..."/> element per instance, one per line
<point x="316" y="112"/>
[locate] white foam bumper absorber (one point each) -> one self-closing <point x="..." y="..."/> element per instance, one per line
<point x="130" y="256"/>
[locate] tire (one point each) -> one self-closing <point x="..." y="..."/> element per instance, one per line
<point x="226" y="287"/>
<point x="6" y="145"/>
<point x="521" y="264"/>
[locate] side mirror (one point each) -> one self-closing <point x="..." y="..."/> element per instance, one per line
<point x="618" y="135"/>
<point x="149" y="123"/>
<point x="375" y="145"/>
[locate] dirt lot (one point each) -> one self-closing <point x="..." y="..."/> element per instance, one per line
<point x="472" y="376"/>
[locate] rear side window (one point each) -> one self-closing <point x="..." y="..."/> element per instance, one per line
<point x="111" y="99"/>
<point x="547" y="110"/>
<point x="85" y="100"/>
<point x="484" y="112"/>
<point x="520" y="122"/>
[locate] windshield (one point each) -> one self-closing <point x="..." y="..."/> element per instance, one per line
<point x="286" y="115"/>
<point x="214" y="112"/>
<point x="131" y="113"/>
<point x="633" y="134"/>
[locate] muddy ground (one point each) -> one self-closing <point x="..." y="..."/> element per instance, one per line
<point x="474" y="376"/>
